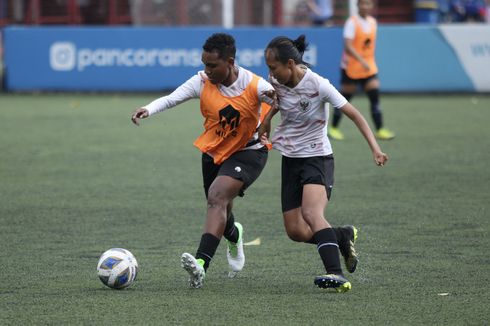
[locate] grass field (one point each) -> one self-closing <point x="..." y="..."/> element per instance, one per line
<point x="77" y="178"/>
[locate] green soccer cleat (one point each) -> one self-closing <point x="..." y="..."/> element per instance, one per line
<point x="335" y="133"/>
<point x="235" y="254"/>
<point x="195" y="268"/>
<point x="337" y="282"/>
<point x="347" y="249"/>
<point x="384" y="134"/>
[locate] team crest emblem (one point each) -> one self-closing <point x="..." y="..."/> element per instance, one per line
<point x="304" y="105"/>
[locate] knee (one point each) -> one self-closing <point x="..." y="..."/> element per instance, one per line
<point x="217" y="206"/>
<point x="217" y="199"/>
<point x="296" y="233"/>
<point x="308" y="215"/>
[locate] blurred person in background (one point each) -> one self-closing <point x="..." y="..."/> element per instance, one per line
<point x="321" y="12"/>
<point x="488" y="11"/>
<point x="444" y="11"/>
<point x="94" y="12"/>
<point x="468" y="10"/>
<point x="358" y="68"/>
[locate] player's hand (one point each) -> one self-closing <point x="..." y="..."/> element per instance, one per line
<point x="264" y="128"/>
<point x="380" y="158"/>
<point x="264" y="139"/>
<point x="139" y="114"/>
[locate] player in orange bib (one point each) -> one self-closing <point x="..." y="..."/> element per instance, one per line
<point x="231" y="100"/>
<point x="358" y="67"/>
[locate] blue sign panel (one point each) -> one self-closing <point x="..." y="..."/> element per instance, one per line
<point x="410" y="58"/>
<point x="140" y="59"/>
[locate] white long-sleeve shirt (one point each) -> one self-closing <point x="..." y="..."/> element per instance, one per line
<point x="193" y="86"/>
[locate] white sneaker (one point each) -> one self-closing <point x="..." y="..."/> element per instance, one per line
<point x="195" y="269"/>
<point x="234" y="253"/>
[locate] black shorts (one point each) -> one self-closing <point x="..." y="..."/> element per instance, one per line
<point x="243" y="165"/>
<point x="296" y="172"/>
<point x="344" y="79"/>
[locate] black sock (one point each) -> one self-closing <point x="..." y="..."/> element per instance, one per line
<point x="312" y="241"/>
<point x="231" y="232"/>
<point x="337" y="114"/>
<point x="207" y="248"/>
<point x="376" y="113"/>
<point x="338" y="233"/>
<point x="329" y="250"/>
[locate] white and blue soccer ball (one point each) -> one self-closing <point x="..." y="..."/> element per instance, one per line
<point x="117" y="268"/>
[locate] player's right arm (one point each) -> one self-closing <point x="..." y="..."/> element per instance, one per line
<point x="265" y="126"/>
<point x="349" y="49"/>
<point x="190" y="89"/>
<point x="266" y="117"/>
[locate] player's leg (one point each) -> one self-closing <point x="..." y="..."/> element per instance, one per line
<point x="346" y="238"/>
<point x="195" y="265"/>
<point x="318" y="178"/>
<point x="348" y="88"/>
<point x="371" y="88"/>
<point x="291" y="194"/>
<point x="298" y="230"/>
<point x="293" y="178"/>
<point x="245" y="166"/>
<point x="220" y="194"/>
<point x="234" y="239"/>
<point x="296" y="227"/>
<point x="321" y="171"/>
<point x="215" y="225"/>
<point x="313" y="205"/>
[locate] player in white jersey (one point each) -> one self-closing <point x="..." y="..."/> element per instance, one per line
<point x="307" y="160"/>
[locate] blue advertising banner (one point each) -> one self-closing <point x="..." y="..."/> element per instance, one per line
<point x="140" y="59"/>
<point x="411" y="58"/>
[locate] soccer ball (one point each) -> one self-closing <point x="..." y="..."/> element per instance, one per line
<point x="117" y="268"/>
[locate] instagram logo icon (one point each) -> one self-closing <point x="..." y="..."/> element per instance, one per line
<point x="62" y="56"/>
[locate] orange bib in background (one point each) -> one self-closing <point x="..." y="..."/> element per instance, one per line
<point x="365" y="44"/>
<point x="230" y="122"/>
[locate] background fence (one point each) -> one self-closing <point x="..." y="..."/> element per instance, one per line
<point x="184" y="12"/>
<point x="148" y="45"/>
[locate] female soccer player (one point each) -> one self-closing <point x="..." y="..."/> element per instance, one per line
<point x="233" y="156"/>
<point x="307" y="160"/>
<point x="358" y="67"/>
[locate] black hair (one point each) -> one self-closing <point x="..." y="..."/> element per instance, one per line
<point x="223" y="44"/>
<point x="284" y="48"/>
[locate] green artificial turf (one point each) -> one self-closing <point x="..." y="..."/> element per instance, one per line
<point x="77" y="178"/>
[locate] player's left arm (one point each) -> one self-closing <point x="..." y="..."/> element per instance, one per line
<point x="349" y="110"/>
